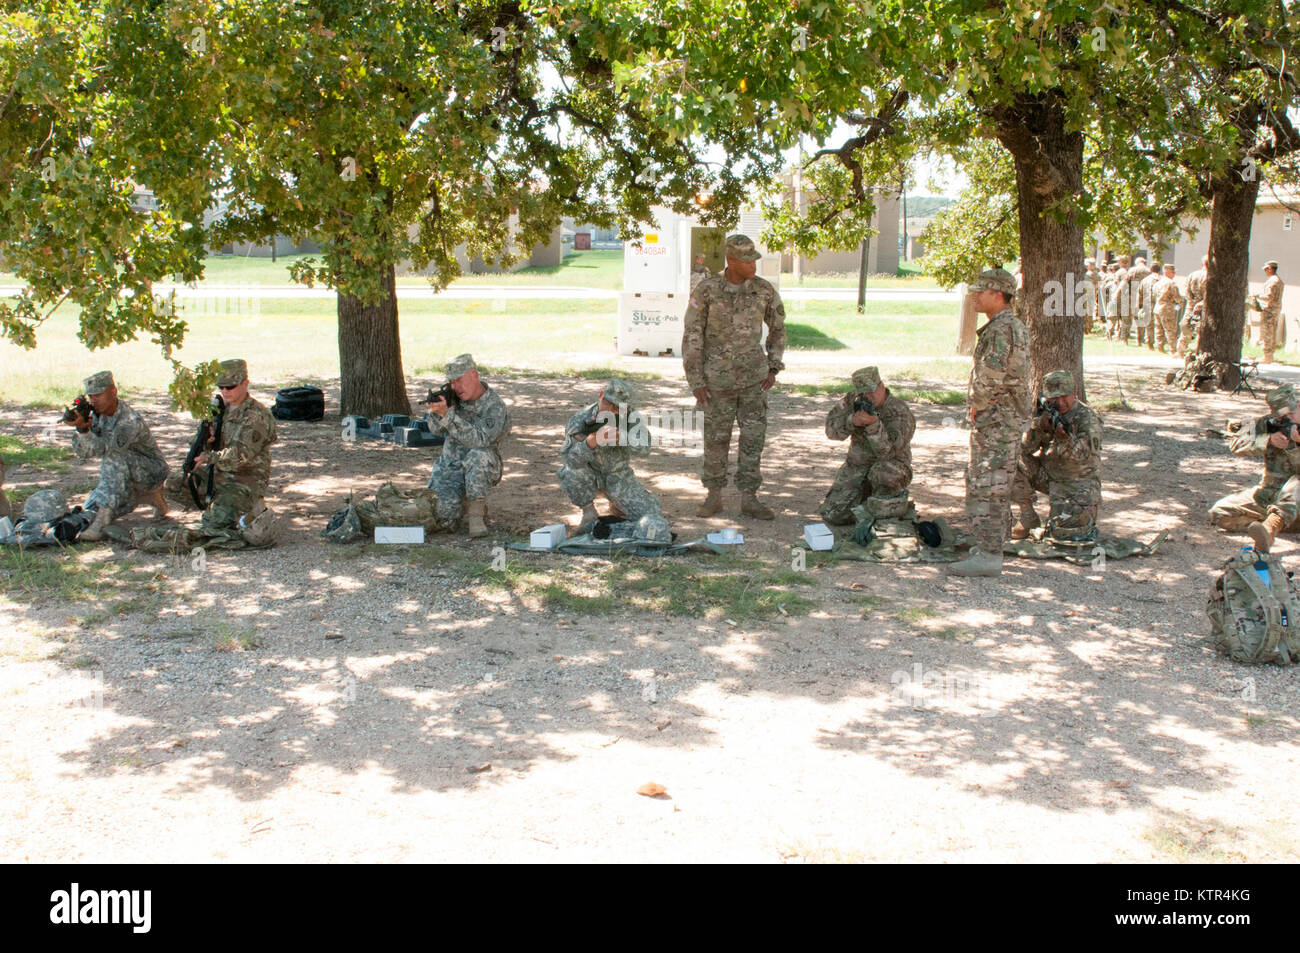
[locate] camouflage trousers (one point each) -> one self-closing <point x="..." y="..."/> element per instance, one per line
<point x="1074" y="503"/>
<point x="992" y="467"/>
<point x="1268" y="332"/>
<point x="583" y="481"/>
<point x="1187" y="337"/>
<point x="857" y="481"/>
<point x="748" y="408"/>
<point x="1146" y="331"/>
<point x="463" y="473"/>
<point x="123" y="478"/>
<point x="230" y="500"/>
<point x="1238" y="510"/>
<point x="1166" y="325"/>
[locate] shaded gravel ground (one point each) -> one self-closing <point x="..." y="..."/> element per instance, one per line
<point x="319" y="703"/>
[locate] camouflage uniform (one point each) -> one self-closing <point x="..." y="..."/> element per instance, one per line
<point x="999" y="396"/>
<point x="1192" y="321"/>
<point x="878" y="469"/>
<point x="1167" y="297"/>
<point x="1067" y="469"/>
<point x="1145" y="319"/>
<point x="470" y="463"/>
<point x="1270" y="307"/>
<point x="585" y="471"/>
<point x="132" y="464"/>
<point x="721" y="351"/>
<point x="1128" y="298"/>
<point x="1279" y="489"/>
<point x="1091" y="284"/>
<point x="1109" y="281"/>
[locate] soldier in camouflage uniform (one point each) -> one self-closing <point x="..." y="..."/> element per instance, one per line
<point x="132" y="471"/>
<point x="239" y="462"/>
<point x="1061" y="458"/>
<point x="729" y="372"/>
<point x="1128" y="296"/>
<point x="1168" y="298"/>
<point x="470" y="463"/>
<point x="1195" y="306"/>
<point x="1091" y="285"/>
<point x="601" y="462"/>
<point x="1272" y="507"/>
<point x="998" y="404"/>
<point x="1145" y="319"/>
<point x="878" y="470"/>
<point x="1270" y="308"/>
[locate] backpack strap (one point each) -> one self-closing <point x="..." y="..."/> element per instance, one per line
<point x="1245" y="571"/>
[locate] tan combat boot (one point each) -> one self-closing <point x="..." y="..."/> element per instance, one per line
<point x="712" y="504"/>
<point x="476" y="513"/>
<point x="156" y="499"/>
<point x="1028" y="521"/>
<point x="95" y="531"/>
<point x="1264" y="534"/>
<point x="750" y="506"/>
<point x="977" y="564"/>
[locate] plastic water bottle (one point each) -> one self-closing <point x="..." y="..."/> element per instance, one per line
<point x="1261" y="567"/>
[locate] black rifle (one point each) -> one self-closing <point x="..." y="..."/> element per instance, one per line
<point x="1049" y="408"/>
<point x="209" y="432"/>
<point x="447" y="393"/>
<point x="1281" y="424"/>
<point x="592" y="424"/>
<point x="78" y="410"/>
<point x="862" y="403"/>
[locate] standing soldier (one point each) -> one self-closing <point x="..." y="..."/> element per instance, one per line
<point x="1093" y="279"/>
<point x="879" y="465"/>
<point x="1273" y="506"/>
<point x="1127" y="294"/>
<point x="1108" y="284"/>
<point x="1060" y="455"/>
<point x="998" y="407"/>
<point x="1195" y="306"/>
<point x="239" y="461"/>
<point x="1145" y="321"/>
<point x="1270" y="309"/>
<point x="599" y="461"/>
<point x="1167" y="298"/>
<point x="132" y="471"/>
<point x="470" y="462"/>
<point x="729" y="372"/>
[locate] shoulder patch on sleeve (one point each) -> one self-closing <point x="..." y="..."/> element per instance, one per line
<point x="695" y="302"/>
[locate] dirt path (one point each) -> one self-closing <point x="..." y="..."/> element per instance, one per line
<point x="319" y="703"/>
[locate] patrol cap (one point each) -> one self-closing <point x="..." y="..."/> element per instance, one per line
<point x="1281" y="399"/>
<point x="98" y="382"/>
<point x="1271" y="264"/>
<point x="44" y="506"/>
<point x="618" y="391"/>
<point x="865" y="380"/>
<point x="995" y="279"/>
<point x="233" y="372"/>
<point x="1058" y="384"/>
<point x="460" y="365"/>
<point x="741" y="248"/>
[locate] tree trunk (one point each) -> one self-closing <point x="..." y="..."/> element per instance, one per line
<point x="370" y="354"/>
<point x="1231" y="216"/>
<point x="1049" y="177"/>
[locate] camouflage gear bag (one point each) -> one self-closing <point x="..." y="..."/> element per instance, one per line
<point x="1253" y="620"/>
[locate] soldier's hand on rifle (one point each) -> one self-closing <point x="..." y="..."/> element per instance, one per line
<point x="702" y="396"/>
<point x="1061" y="432"/>
<point x="438" y="407"/>
<point x="606" y="436"/>
<point x="863" y="419"/>
<point x="1282" y="440"/>
<point x="1045" y="423"/>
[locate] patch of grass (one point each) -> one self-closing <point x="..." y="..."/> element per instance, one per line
<point x="1185" y="846"/>
<point x="805" y="337"/>
<point x="1116" y="405"/>
<point x="915" y="614"/>
<point x="691" y="590"/>
<point x="949" y="633"/>
<point x="33" y="456"/>
<point x="562" y="596"/>
<point x="83" y="661"/>
<point x="228" y="637"/>
<point x="945" y="397"/>
<point x="870" y="603"/>
<point x="1259" y="721"/>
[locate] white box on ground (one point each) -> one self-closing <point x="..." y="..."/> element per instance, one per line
<point x="548" y="537"/>
<point x="650" y="321"/>
<point x="818" y="536"/>
<point x="399" y="534"/>
<point x="726" y="537"/>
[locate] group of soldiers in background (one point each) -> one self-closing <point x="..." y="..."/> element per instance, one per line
<point x="1127" y="295"/>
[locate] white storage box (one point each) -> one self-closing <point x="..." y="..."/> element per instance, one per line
<point x="818" y="536"/>
<point x="650" y="322"/>
<point x="399" y="534"/>
<point x="548" y="537"/>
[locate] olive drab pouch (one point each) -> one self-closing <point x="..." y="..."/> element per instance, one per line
<point x="1254" y="610"/>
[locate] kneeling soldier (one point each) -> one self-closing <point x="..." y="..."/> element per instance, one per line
<point x="878" y="469"/>
<point x="132" y="471"/>
<point x="237" y="461"/>
<point x="470" y="463"/>
<point x="597" y="457"/>
<point x="1060" y="455"/>
<point x="1271" y="507"/>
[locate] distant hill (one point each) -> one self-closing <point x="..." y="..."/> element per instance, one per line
<point x="926" y="206"/>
